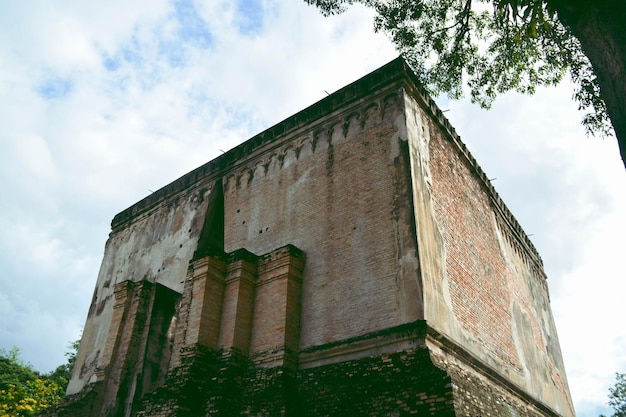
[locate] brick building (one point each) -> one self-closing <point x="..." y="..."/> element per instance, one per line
<point x="352" y="260"/>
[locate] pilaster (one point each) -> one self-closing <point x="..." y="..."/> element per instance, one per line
<point x="201" y="312"/>
<point x="238" y="307"/>
<point x="276" y="328"/>
<point x="123" y="295"/>
<point x="130" y="326"/>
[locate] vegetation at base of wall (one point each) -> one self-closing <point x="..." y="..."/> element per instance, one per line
<point x="25" y="391"/>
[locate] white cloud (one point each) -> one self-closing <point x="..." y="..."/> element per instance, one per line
<point x="35" y="157"/>
<point x="102" y="103"/>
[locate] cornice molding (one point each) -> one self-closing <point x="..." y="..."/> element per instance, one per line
<point x="221" y="165"/>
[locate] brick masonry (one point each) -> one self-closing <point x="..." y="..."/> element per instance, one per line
<point x="351" y="260"/>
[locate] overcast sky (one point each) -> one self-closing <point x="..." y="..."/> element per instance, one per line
<point x="103" y="102"/>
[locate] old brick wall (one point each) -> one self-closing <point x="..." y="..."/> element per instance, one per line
<point x="331" y="190"/>
<point x="399" y="384"/>
<point x="481" y="284"/>
<point x="490" y="286"/>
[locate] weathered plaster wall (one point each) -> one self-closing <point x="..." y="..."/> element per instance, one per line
<point x="484" y="285"/>
<point x="156" y="246"/>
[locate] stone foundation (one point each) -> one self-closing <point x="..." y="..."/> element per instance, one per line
<point x="430" y="379"/>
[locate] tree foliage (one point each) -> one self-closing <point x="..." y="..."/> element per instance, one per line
<point x="492" y="46"/>
<point x="24" y="391"/>
<point x="617" y="396"/>
<point x="27" y="399"/>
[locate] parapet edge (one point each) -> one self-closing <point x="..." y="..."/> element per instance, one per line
<point x="416" y="89"/>
<point x="379" y="78"/>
